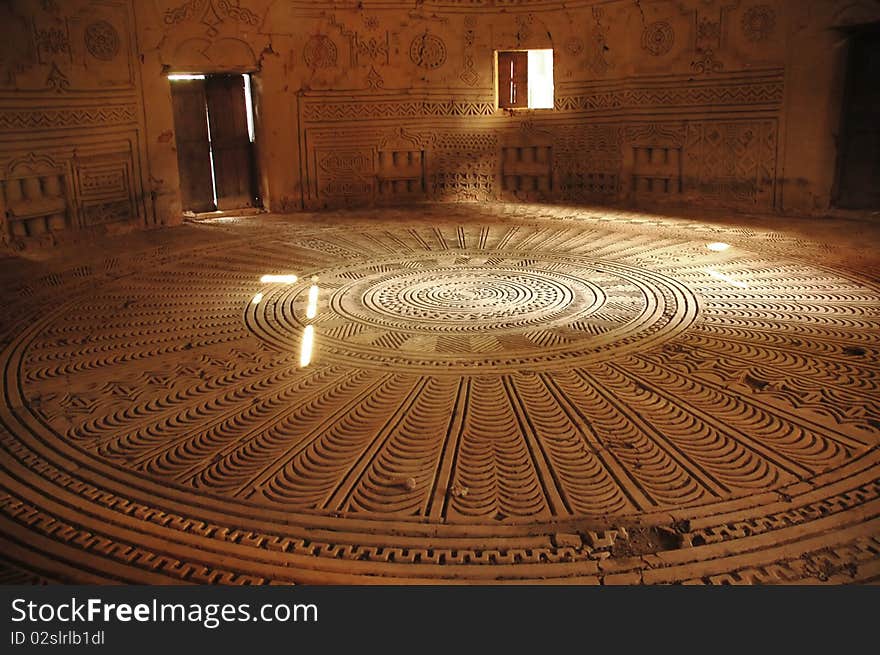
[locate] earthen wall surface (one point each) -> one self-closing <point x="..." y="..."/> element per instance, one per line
<point x="706" y="103"/>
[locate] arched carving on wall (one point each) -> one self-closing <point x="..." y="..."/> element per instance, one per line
<point x="857" y="13"/>
<point x="402" y="139"/>
<point x="32" y="164"/>
<point x="204" y="55"/>
<point x="530" y="33"/>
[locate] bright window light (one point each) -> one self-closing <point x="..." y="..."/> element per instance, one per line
<point x="211" y="156"/>
<point x="726" y="278"/>
<point x="249" y="106"/>
<point x="278" y="279"/>
<point x="185" y="77"/>
<point x="540" y="79"/>
<point x="305" y="350"/>
<point x="312" y="308"/>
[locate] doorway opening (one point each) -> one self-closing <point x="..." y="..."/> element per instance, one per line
<point x="858" y="171"/>
<point x="214" y="128"/>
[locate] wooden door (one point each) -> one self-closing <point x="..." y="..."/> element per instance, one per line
<point x="230" y="142"/>
<point x="193" y="147"/>
<point x="859" y="171"/>
<point x="513" y="86"/>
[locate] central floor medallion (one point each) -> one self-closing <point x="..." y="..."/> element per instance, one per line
<point x="469" y="310"/>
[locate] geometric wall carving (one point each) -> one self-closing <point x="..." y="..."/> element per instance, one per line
<point x="104" y="190"/>
<point x="716" y="162"/>
<point x="656" y="160"/>
<point x="348" y="174"/>
<point x="758" y="23"/>
<point x="427" y="51"/>
<point x="657" y="170"/>
<point x="320" y="52"/>
<point x="464" y="166"/>
<point x="766" y="90"/>
<point x="401" y="173"/>
<point x="739" y="92"/>
<point x="722" y="163"/>
<point x="35" y="196"/>
<point x="102" y="40"/>
<point x="345" y="110"/>
<point x="401" y="165"/>
<point x="732" y="162"/>
<point x="657" y="38"/>
<point x="587" y="161"/>
<point x="64" y="117"/>
<point x="71" y="121"/>
<point x="527" y="168"/>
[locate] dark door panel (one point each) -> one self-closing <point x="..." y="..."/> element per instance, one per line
<point x="859" y="170"/>
<point x="193" y="147"/>
<point x="230" y="142"/>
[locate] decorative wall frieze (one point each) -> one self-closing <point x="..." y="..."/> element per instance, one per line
<point x="210" y="13"/>
<point x="766" y="90"/>
<point x="644" y="160"/>
<point x="761" y="91"/>
<point x="12" y="119"/>
<point x="327" y="109"/>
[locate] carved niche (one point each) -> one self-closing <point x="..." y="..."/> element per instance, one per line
<point x="401" y="167"/>
<point x="104" y="189"/>
<point x="527" y="164"/>
<point x="35" y="196"/>
<point x="587" y="161"/>
<point x="656" y="161"/>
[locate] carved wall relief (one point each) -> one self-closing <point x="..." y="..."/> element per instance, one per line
<point x="70" y="120"/>
<point x="401" y="166"/>
<point x="366" y="49"/>
<point x="758" y="23"/>
<point x="657" y="38"/>
<point x="104" y="189"/>
<point x="656" y="161"/>
<point x="210" y="14"/>
<point x="52" y="41"/>
<point x="346" y="176"/>
<point x="710" y="35"/>
<point x="469" y="74"/>
<point x="320" y="52"/>
<point x="527" y="170"/>
<point x="427" y="51"/>
<point x="46" y="193"/>
<point x="401" y="174"/>
<point x="35" y="196"/>
<point x="731" y="162"/>
<point x="465" y="167"/>
<point x="358" y="72"/>
<point x="587" y="162"/>
<point x="102" y="40"/>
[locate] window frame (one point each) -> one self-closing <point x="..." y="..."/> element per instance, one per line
<point x="522" y="87"/>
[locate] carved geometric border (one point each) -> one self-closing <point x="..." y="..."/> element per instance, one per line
<point x="18" y="119"/>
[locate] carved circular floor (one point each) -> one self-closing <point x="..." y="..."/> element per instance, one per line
<point x="471" y="310"/>
<point x="486" y="399"/>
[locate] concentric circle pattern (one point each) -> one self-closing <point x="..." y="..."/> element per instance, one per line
<point x="509" y="394"/>
<point x="481" y="309"/>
